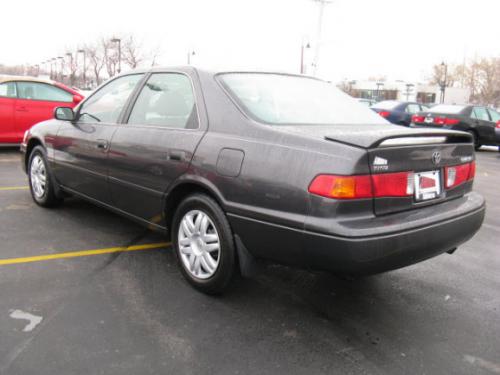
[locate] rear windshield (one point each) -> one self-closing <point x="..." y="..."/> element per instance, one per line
<point x="279" y="99"/>
<point x="386" y="104"/>
<point x="444" y="108"/>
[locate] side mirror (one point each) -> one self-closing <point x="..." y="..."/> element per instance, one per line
<point x="64" y="114"/>
<point x="77" y="98"/>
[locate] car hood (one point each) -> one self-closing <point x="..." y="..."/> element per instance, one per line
<point x="369" y="136"/>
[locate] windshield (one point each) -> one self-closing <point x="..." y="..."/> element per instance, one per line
<point x="443" y="108"/>
<point x="280" y="99"/>
<point x="386" y="104"/>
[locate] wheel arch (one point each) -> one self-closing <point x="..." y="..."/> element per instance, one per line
<point x="32" y="143"/>
<point x="184" y="186"/>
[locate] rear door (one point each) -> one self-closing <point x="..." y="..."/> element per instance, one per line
<point x="36" y="102"/>
<point x="483" y="124"/>
<point x="81" y="148"/>
<point x="155" y="145"/>
<point x="7" y="104"/>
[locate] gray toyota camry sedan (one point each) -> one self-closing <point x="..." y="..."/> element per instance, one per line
<point x="241" y="166"/>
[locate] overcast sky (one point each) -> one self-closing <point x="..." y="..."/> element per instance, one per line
<point x="397" y="38"/>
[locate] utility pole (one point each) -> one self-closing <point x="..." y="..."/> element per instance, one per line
<point x="71" y="78"/>
<point x="322" y="4"/>
<point x="443" y="83"/>
<point x="61" y="59"/>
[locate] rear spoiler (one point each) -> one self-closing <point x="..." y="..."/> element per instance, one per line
<point x="423" y="139"/>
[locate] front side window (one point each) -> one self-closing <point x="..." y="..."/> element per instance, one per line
<point x="107" y="104"/>
<point x="8" y="89"/>
<point x="480" y="113"/>
<point x="279" y="99"/>
<point x="42" y="91"/>
<point x="448" y="109"/>
<point x="166" y="100"/>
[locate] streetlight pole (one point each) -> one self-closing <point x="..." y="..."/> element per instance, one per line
<point x="189" y="54"/>
<point x="71" y="78"/>
<point x="302" y="48"/>
<point x="378" y="89"/>
<point x="322" y="4"/>
<point x="408" y="90"/>
<point x="119" y="41"/>
<point x="82" y="51"/>
<point x="444" y="67"/>
<point x="61" y="59"/>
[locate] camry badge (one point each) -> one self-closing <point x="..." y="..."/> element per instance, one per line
<point x="436" y="157"/>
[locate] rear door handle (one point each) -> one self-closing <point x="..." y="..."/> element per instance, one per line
<point x="176" y="155"/>
<point x="102" y="144"/>
<point x="21" y="109"/>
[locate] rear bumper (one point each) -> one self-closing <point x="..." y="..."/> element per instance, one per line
<point x="357" y="255"/>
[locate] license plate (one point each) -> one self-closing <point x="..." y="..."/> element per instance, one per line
<point x="427" y="185"/>
<point x="428" y="120"/>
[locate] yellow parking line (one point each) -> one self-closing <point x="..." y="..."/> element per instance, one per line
<point x="83" y="253"/>
<point x="3" y="188"/>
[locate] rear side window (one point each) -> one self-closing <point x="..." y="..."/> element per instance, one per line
<point x="412" y="108"/>
<point x="480" y="113"/>
<point x="42" y="91"/>
<point x="107" y="103"/>
<point x="280" y="99"/>
<point x="386" y="104"/>
<point x="166" y="99"/>
<point x="495" y="116"/>
<point x="8" y="89"/>
<point x="447" y="108"/>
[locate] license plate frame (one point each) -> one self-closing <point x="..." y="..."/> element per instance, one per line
<point x="423" y="193"/>
<point x="429" y="120"/>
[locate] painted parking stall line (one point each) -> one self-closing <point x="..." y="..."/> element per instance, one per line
<point x="83" y="253"/>
<point x="7" y="188"/>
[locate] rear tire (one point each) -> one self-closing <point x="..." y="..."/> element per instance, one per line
<point x="41" y="180"/>
<point x="475" y="139"/>
<point x="204" y="244"/>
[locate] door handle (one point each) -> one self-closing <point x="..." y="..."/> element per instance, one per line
<point x="176" y="155"/>
<point x="21" y="109"/>
<point x="102" y="144"/>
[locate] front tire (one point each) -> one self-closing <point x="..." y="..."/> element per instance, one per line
<point x="204" y="244"/>
<point x="41" y="179"/>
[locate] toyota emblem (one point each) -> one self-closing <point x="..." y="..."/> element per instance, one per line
<point x="436" y="157"/>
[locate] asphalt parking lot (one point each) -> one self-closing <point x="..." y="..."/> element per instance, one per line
<point x="133" y="313"/>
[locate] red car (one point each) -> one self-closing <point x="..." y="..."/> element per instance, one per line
<point x="25" y="101"/>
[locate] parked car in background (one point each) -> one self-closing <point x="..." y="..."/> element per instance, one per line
<point x="481" y="122"/>
<point x="238" y="166"/>
<point x="367" y="102"/>
<point x="398" y="112"/>
<point x="25" y="101"/>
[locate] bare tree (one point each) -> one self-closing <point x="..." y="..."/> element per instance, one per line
<point x="96" y="61"/>
<point x="132" y="52"/>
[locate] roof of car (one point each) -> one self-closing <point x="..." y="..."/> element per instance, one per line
<point x="10" y="78"/>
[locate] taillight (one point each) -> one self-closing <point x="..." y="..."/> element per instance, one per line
<point x="393" y="184"/>
<point x="458" y="174"/>
<point x="445" y="121"/>
<point x="417" y="118"/>
<point x="366" y="186"/>
<point x="498" y="124"/>
<point x="341" y="187"/>
<point x="384" y="113"/>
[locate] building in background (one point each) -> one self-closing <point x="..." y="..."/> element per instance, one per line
<point x="404" y="91"/>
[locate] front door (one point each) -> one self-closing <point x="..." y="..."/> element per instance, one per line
<point x="36" y="102"/>
<point x="81" y="148"/>
<point x="154" y="146"/>
<point x="7" y="103"/>
<point x="484" y="127"/>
